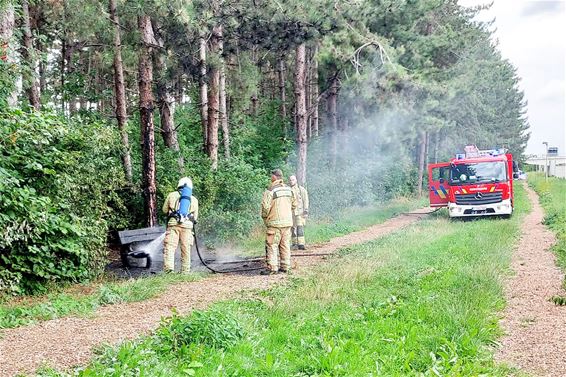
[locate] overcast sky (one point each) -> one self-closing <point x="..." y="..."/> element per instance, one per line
<point x="531" y="35"/>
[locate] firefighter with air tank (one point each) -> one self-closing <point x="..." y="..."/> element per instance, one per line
<point x="277" y="208"/>
<point x="299" y="214"/>
<point x="181" y="208"/>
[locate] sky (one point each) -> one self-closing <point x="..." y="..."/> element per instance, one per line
<point x="531" y="35"/>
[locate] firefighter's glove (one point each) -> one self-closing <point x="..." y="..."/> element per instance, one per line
<point x="305" y="213"/>
<point x="192" y="218"/>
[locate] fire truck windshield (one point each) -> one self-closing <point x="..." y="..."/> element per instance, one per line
<point x="481" y="172"/>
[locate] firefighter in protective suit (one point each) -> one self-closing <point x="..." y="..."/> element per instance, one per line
<point x="277" y="208"/>
<point x="179" y="230"/>
<point x="300" y="214"/>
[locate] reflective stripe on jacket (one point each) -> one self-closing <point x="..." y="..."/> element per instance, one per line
<point x="277" y="205"/>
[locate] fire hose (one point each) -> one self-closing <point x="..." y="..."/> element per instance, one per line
<point x="215" y="271"/>
<point x="211" y="268"/>
<point x="421" y="213"/>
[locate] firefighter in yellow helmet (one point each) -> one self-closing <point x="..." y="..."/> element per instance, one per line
<point x="300" y="213"/>
<point x="179" y="225"/>
<point x="277" y="208"/>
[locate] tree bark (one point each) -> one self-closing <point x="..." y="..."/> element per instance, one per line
<point x="42" y="69"/>
<point x="214" y="100"/>
<point x="427" y="148"/>
<point x="31" y="86"/>
<point x="301" y="111"/>
<point x="7" y="22"/>
<point x="120" y="93"/>
<point x="178" y="90"/>
<point x="223" y="108"/>
<point x="333" y="115"/>
<point x="282" y="94"/>
<point x="145" y="81"/>
<point x="436" y="145"/>
<point x="254" y="105"/>
<point x="422" y="153"/>
<point x="166" y="103"/>
<point x="203" y="93"/>
<point x="315" y="93"/>
<point x="62" y="73"/>
<point x="308" y="92"/>
<point x="83" y="67"/>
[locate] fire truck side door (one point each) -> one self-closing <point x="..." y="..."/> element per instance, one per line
<point x="438" y="176"/>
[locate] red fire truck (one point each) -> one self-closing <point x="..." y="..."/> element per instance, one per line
<point x="474" y="183"/>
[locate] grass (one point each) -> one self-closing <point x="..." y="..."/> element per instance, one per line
<point x="85" y="299"/>
<point x="552" y="194"/>
<point x="424" y="301"/>
<point x="323" y="229"/>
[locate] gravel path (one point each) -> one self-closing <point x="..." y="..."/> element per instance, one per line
<point x="67" y="342"/>
<point x="535" y="328"/>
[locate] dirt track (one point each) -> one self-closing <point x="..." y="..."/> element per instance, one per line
<point x="67" y="342"/>
<point x="535" y="328"/>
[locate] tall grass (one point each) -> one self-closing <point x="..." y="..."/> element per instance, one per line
<point x="324" y="228"/>
<point x="423" y="301"/>
<point x="552" y="194"/>
<point x="69" y="302"/>
<point x="90" y="297"/>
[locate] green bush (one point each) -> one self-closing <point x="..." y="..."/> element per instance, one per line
<point x="58" y="180"/>
<point x="229" y="198"/>
<point x="7" y="73"/>
<point x="212" y="328"/>
<point x="260" y="140"/>
<point x="365" y="174"/>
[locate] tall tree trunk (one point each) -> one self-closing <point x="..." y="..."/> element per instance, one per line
<point x="223" y="108"/>
<point x="166" y="103"/>
<point x="282" y="94"/>
<point x="178" y="90"/>
<point x="333" y="115"/>
<point x="83" y="67"/>
<point x="213" y="100"/>
<point x="203" y="93"/>
<point x="254" y="97"/>
<point x="7" y="21"/>
<point x="427" y="147"/>
<point x="254" y="103"/>
<point x="62" y="73"/>
<point x="422" y="153"/>
<point x="301" y="111"/>
<point x="145" y="81"/>
<point x="120" y="93"/>
<point x="308" y="92"/>
<point x="315" y="93"/>
<point x="436" y="145"/>
<point x="31" y="86"/>
<point x="42" y="69"/>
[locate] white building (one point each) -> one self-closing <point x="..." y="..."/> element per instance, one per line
<point x="556" y="165"/>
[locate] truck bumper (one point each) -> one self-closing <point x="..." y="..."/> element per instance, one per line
<point x="502" y="208"/>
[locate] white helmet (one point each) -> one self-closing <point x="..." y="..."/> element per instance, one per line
<point x="185" y="181"/>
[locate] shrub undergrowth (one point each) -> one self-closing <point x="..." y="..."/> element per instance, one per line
<point x="424" y="301"/>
